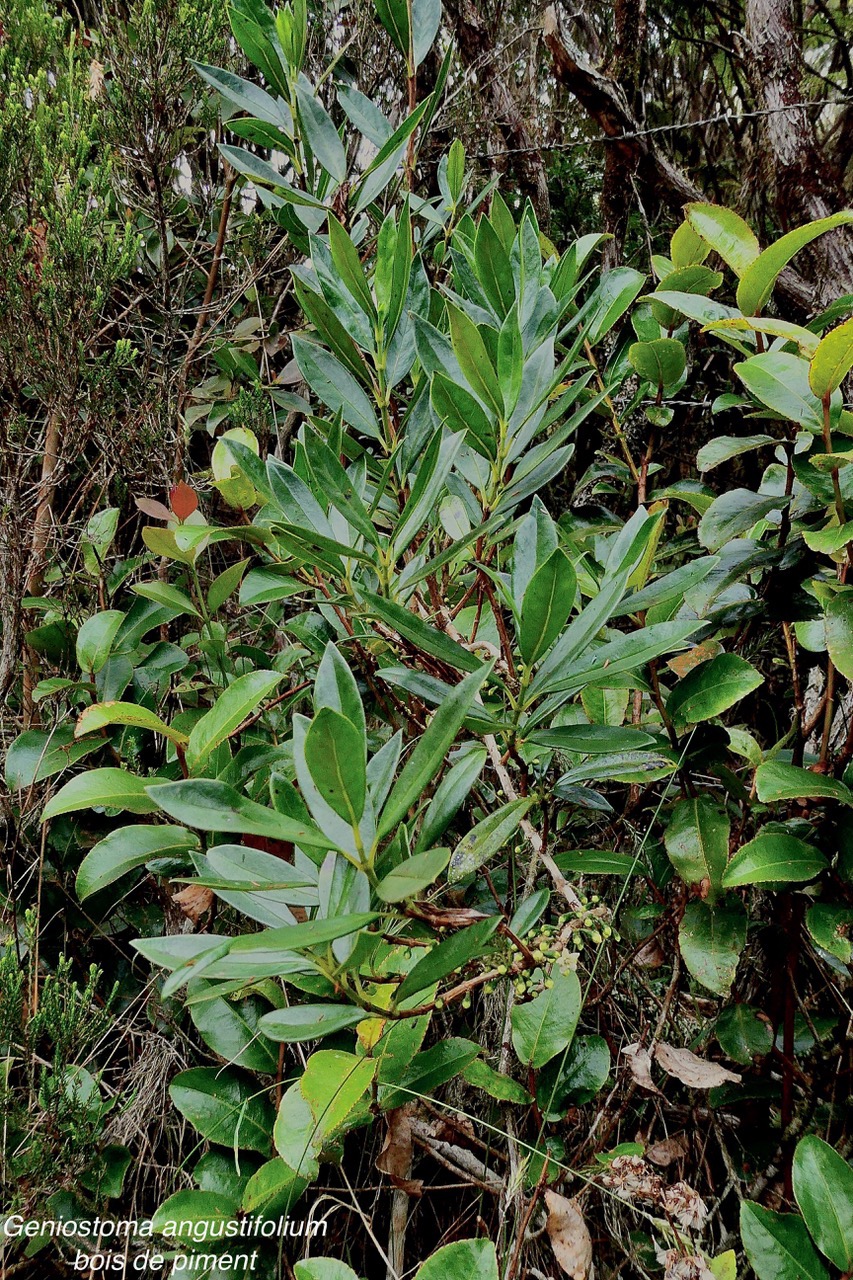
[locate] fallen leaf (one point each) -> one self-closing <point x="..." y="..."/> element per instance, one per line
<point x="194" y="901"/>
<point x="650" y="955"/>
<point x="640" y="1064"/>
<point x="396" y="1155"/>
<point x="569" y="1236"/>
<point x="665" y="1152"/>
<point x="693" y="657"/>
<point x="692" y="1071"/>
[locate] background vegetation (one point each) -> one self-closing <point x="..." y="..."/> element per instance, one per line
<point x="426" y="634"/>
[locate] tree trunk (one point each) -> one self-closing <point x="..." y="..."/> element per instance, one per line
<point x="620" y="162"/>
<point x="477" y="51"/>
<point x="806" y="186"/>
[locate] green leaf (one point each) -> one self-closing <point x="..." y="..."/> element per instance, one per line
<point x="487" y="838"/>
<point x="420" y="633"/>
<point x="95" y="639"/>
<point x="450" y="795"/>
<point x="470" y="350"/>
<point x="503" y="1088"/>
<point x="661" y="362"/>
<point x="697" y="843"/>
<point x="335" y="385"/>
<point x="838" y="621"/>
<point x="430" y="751"/>
<point x="304" y="1022"/>
<point x="609" y="302"/>
<point x="711" y="688"/>
<point x="725" y="232"/>
<point x="574" y="1077"/>
<point x="831" y="928"/>
<point x="544" y="1026"/>
<point x="547" y="604"/>
<point x="823" y="1187"/>
<point x="245" y="96"/>
<point x="335" y="687"/>
<point x="711" y="940"/>
<point x="461" y="1260"/>
<point x="323" y="1269"/>
<point x="225" y="584"/>
<point x="230" y="1028"/>
<point x="452" y="953"/>
<point x="429" y="1070"/>
<point x="773" y="857"/>
<point x="413" y="875"/>
<point x="686" y="248"/>
<point x="778" y="1245"/>
<point x="273" y="1190"/>
<point x="723" y="448"/>
<point x="298" y="937"/>
<point x="102" y="714"/>
<point x="163" y="592"/>
<point x="224" y="1106"/>
<point x="832" y="361"/>
<point x="107" y="788"/>
<point x="598" y="862"/>
<point x="210" y="805"/>
<point x="776" y="781"/>
<point x="335" y="756"/>
<point x="127" y="848"/>
<point x="760" y="276"/>
<point x="37" y="754"/>
<point x="185" y="1209"/>
<point x="780" y="380"/>
<point x="319" y="131"/>
<point x="592" y="739"/>
<point x="733" y="514"/>
<point x="743" y="1034"/>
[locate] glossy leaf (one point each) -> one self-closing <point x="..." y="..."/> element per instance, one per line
<point x="711" y="688"/>
<point x="773" y="857"/>
<point x="823" y="1186"/>
<point x="545" y="1025"/>
<point x="711" y="939"/>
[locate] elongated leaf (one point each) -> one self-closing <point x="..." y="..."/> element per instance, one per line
<point x="335" y="385"/>
<point x="421" y="633"/>
<point x="297" y="937"/>
<point x="127" y="848"/>
<point x="413" y="875"/>
<point x="780" y="380"/>
<point x="37" y="754"/>
<point x="103" y="714"/>
<point x="697" y="842"/>
<point x="107" y="788"/>
<point x="429" y="753"/>
<point x="725" y="447"/>
<point x="320" y="132"/>
<point x="450" y="954"/>
<point x="309" y="1022"/>
<point x="95" y="639"/>
<point x="210" y="805"/>
<point x="430" y="1069"/>
<point x="450" y="795"/>
<point x="733" y="514"/>
<point x="776" y="781"/>
<point x="547" y="604"/>
<point x="757" y="281"/>
<point x="486" y="839"/>
<point x="832" y="361"/>
<point x="336" y="759"/>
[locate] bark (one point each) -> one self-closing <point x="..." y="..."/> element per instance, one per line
<point x="806" y="184"/>
<point x="476" y="45"/>
<point x="620" y="164"/>
<point x="659" y="180"/>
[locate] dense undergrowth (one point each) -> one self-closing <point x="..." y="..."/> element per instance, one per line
<point x="410" y="829"/>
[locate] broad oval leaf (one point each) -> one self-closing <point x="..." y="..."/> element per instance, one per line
<point x="726" y="232"/>
<point x="773" y="857"/>
<point x="127" y="848"/>
<point x="412" y="875"/>
<point x="461" y="1260"/>
<point x="711" y="939"/>
<point x="97" y="788"/>
<point x="778" y="1245"/>
<point x="544" y="1026"/>
<point x="823" y="1186"/>
<point x="697" y="843"/>
<point x="710" y="689"/>
<point x="225" y="1106"/>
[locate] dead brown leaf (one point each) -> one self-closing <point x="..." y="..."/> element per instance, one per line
<point x="194" y="901"/>
<point x="640" y="1064"/>
<point x="685" y="662"/>
<point x="665" y="1152"/>
<point x="96" y="79"/>
<point x="395" y="1158"/>
<point x="695" y="1072"/>
<point x="569" y="1236"/>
